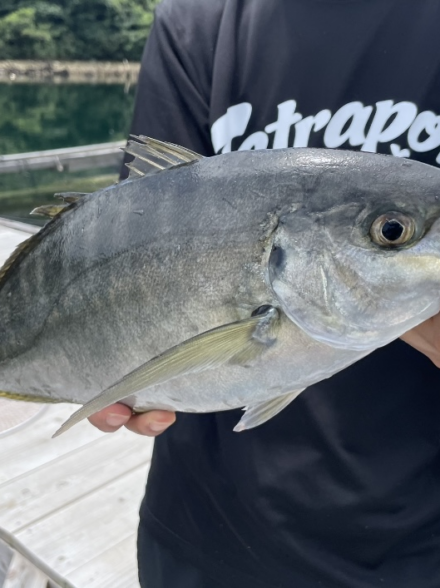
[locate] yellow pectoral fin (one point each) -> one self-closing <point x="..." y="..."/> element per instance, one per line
<point x="235" y="342"/>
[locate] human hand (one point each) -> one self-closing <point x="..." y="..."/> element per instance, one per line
<point x="151" y="423"/>
<point x="426" y="338"/>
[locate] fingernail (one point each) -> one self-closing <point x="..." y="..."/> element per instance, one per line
<point x="158" y="427"/>
<point x="116" y="420"/>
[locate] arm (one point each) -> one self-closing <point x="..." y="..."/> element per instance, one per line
<point x="426" y="339"/>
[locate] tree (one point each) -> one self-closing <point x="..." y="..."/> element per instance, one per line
<point x="75" y="29"/>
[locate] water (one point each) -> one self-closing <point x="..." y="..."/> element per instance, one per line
<point x="36" y="117"/>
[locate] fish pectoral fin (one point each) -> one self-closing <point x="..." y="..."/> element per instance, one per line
<point x="263" y="411"/>
<point x="151" y="156"/>
<point x="208" y="350"/>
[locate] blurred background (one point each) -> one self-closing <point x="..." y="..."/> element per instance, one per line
<point x="68" y="71"/>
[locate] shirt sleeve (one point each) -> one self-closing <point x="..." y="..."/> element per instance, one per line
<point x="173" y="93"/>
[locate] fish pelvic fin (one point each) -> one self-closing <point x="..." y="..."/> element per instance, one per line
<point x="235" y="342"/>
<point x="263" y="411"/>
<point x="151" y="156"/>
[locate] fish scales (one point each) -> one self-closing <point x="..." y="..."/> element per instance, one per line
<point x="86" y="281"/>
<point x="231" y="281"/>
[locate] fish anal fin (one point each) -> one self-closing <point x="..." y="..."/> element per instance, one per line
<point x="202" y="352"/>
<point x="258" y="414"/>
<point x="151" y="155"/>
<point x="19" y="397"/>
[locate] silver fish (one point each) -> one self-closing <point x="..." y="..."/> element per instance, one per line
<point x="206" y="284"/>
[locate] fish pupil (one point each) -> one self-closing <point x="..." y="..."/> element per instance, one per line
<point x="392" y="230"/>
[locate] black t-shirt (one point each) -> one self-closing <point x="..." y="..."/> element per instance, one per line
<point x="342" y="489"/>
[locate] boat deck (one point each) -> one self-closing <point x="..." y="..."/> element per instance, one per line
<point x="68" y="506"/>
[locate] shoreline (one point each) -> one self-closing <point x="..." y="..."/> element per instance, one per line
<point x="64" y="72"/>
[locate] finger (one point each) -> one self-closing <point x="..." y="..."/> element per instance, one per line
<point x="112" y="418"/>
<point x="151" y="423"/>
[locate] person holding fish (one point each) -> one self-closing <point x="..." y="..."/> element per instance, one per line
<point x="341" y="488"/>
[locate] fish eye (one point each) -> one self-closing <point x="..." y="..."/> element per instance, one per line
<point x="392" y="229"/>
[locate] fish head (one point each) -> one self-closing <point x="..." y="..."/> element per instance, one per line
<point x="357" y="263"/>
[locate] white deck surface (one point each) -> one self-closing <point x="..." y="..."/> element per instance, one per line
<point x="72" y="501"/>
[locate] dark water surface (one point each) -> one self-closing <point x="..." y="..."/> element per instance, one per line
<point x="36" y="117"/>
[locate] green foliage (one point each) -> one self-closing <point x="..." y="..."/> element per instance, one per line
<point x="76" y="29"/>
<point x="20" y="35"/>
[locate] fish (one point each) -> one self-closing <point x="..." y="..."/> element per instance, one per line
<point x="204" y="284"/>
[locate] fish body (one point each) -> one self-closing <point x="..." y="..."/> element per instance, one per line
<point x="225" y="282"/>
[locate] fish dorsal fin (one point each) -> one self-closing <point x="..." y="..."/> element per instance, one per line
<point x="50" y="210"/>
<point x="152" y="156"/>
<point x="19" y="252"/>
<point x="70" y="197"/>
<point x="25" y="247"/>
